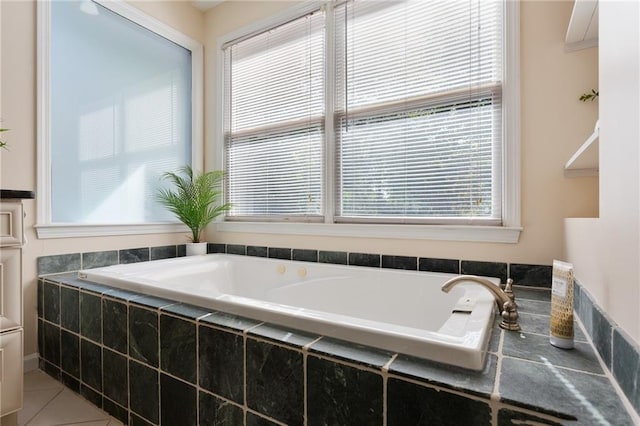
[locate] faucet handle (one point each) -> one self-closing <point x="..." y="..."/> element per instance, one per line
<point x="509" y="291"/>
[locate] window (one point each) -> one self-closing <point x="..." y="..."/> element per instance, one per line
<point x="375" y="112"/>
<point x="118" y="110"/>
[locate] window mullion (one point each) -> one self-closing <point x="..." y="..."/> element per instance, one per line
<point x="329" y="191"/>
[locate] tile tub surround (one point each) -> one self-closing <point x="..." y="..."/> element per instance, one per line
<point x="619" y="352"/>
<point x="241" y="371"/>
<point x="522" y="274"/>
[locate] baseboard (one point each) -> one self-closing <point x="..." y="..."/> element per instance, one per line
<point x="30" y="362"/>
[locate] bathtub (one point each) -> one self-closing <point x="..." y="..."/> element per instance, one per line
<point x="399" y="311"/>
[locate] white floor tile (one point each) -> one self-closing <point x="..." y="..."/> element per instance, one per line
<point x="34" y="401"/>
<point x="98" y="423"/>
<point x="69" y="408"/>
<point x="37" y="380"/>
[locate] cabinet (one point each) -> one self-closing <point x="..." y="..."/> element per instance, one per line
<point x="11" y="332"/>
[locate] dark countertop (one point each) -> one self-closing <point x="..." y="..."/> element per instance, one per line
<point x="8" y="194"/>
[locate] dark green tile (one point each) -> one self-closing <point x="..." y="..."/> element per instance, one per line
<point x="411" y="404"/>
<point x="475" y="382"/>
<point x="561" y="392"/>
<point x="58" y="263"/>
<point x="221" y="363"/>
<point x="70" y="309"/>
<point x="484" y="269"/>
<point x="218" y="412"/>
<point x="52" y="302"/>
<point x="134" y="255"/>
<point x="187" y="311"/>
<point x="114" y="325"/>
<point x="279" y="253"/>
<point x="364" y="259"/>
<point x="351" y="352"/>
<point x="339" y="394"/>
<point x="256" y="251"/>
<point x="178" y="402"/>
<point x="91" y="365"/>
<point x="256" y="420"/>
<point x="90" y="317"/>
<point x="163" y="252"/>
<point x="334" y="257"/>
<point x="99" y="259"/>
<point x="70" y="382"/>
<point x="143" y="391"/>
<point x="626" y="366"/>
<point x="116" y="410"/>
<point x="115" y="377"/>
<point x="537" y="348"/>
<point x="216" y="248"/>
<point x="236" y="249"/>
<point x="450" y="266"/>
<point x="143" y="335"/>
<point x="178" y="347"/>
<point x="52" y="343"/>
<point x="508" y="417"/>
<point x="232" y="322"/>
<point x="40" y="298"/>
<point x="601" y="335"/>
<point x="70" y="351"/>
<point x="271" y="368"/>
<point x="287" y="336"/>
<point x="303" y="255"/>
<point x="532" y="275"/>
<point x="400" y="262"/>
<point x="90" y="395"/>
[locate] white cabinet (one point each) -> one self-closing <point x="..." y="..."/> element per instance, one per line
<point x="11" y="332"/>
<point x="11" y="375"/>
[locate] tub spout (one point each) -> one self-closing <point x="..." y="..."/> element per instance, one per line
<point x="504" y="299"/>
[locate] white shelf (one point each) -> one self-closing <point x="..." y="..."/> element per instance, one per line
<point x="583" y="26"/>
<point x="585" y="161"/>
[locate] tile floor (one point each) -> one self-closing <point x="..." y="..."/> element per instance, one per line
<point x="48" y="403"/>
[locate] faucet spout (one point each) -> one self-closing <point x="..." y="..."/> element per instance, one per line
<point x="506" y="305"/>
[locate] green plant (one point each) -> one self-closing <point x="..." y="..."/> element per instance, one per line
<point x="590" y="96"/>
<point x="194" y="198"/>
<point x="3" y="144"/>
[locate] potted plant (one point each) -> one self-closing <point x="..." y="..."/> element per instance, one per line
<point x="3" y="144"/>
<point x="194" y="199"/>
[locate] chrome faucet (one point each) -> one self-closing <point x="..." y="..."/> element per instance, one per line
<point x="505" y="299"/>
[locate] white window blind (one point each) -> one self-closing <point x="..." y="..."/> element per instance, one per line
<point x="418" y="111"/>
<point x="274" y="121"/>
<point x="120" y="113"/>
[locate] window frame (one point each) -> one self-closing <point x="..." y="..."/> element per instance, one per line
<point x="45" y="228"/>
<point x="510" y="229"/>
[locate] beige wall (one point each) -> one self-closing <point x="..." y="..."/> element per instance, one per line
<point x="18" y="166"/>
<point x="554" y="125"/>
<point x="611" y="269"/>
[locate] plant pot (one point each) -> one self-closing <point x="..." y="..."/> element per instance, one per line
<point x="195" y="249"/>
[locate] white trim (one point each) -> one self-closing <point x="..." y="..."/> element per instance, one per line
<point x="30" y="362"/>
<point x="491" y="234"/>
<point x="511" y="215"/>
<point x="82" y="230"/>
<point x="47" y="229"/>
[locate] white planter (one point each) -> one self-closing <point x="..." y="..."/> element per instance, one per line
<point x="195" y="249"/>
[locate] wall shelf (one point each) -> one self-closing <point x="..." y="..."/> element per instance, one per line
<point x="583" y="26"/>
<point x="585" y="160"/>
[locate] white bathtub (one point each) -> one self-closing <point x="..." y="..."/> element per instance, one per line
<point x="400" y="311"/>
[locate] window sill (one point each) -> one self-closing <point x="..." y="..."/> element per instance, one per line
<point x="85" y="230"/>
<point x="488" y="234"/>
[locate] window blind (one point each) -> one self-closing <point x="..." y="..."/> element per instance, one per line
<point x="274" y="121"/>
<point x="418" y="111"/>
